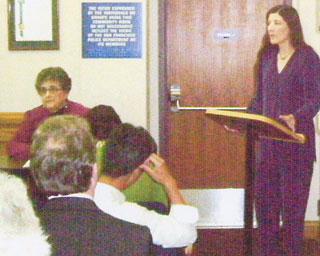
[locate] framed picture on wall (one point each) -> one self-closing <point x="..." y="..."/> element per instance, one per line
<point x="33" y="24"/>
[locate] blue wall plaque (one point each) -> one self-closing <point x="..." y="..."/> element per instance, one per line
<point x="111" y="30"/>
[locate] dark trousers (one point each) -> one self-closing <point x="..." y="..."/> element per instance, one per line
<point x="282" y="183"/>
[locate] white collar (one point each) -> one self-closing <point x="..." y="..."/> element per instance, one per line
<point x="79" y="195"/>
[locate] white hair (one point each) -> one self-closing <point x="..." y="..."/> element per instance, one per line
<point x="20" y="229"/>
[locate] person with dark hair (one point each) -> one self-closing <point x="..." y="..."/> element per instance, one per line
<point x="130" y="151"/>
<point x="288" y="90"/>
<point x="63" y="165"/>
<point x="103" y="119"/>
<point x="53" y="86"/>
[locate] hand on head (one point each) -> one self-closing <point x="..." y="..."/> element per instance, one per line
<point x="157" y="168"/>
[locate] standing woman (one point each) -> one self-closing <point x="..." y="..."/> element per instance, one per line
<point x="288" y="90"/>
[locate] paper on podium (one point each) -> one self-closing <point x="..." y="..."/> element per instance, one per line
<point x="263" y="126"/>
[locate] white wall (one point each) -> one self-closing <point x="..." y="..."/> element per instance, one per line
<point x="121" y="83"/>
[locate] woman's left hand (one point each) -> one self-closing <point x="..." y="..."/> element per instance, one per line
<point x="290" y="121"/>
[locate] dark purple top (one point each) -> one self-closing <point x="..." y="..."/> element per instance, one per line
<point x="296" y="90"/>
<point x="19" y="145"/>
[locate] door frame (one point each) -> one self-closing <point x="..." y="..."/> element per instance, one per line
<point x="164" y="106"/>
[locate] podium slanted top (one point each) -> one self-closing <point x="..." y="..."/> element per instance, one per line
<point x="262" y="126"/>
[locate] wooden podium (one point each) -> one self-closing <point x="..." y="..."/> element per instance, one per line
<point x="255" y="126"/>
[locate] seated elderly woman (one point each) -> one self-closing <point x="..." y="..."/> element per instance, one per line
<point x="53" y="85"/>
<point x="20" y="232"/>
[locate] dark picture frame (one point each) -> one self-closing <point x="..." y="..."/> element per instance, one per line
<point x="33" y="25"/>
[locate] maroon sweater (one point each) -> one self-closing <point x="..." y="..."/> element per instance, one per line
<point x="19" y="146"/>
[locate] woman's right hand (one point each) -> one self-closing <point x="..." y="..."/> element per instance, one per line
<point x="227" y="128"/>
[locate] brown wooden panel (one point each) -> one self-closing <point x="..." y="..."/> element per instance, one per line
<point x="211" y="72"/>
<point x="9" y="123"/>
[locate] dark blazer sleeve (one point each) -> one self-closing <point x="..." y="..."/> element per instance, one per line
<point x="77" y="227"/>
<point x="310" y="77"/>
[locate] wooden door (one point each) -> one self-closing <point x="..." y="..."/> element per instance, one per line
<point x="211" y="71"/>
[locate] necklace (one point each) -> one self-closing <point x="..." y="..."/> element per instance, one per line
<point x="285" y="57"/>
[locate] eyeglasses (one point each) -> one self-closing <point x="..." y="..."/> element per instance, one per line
<point x="53" y="90"/>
